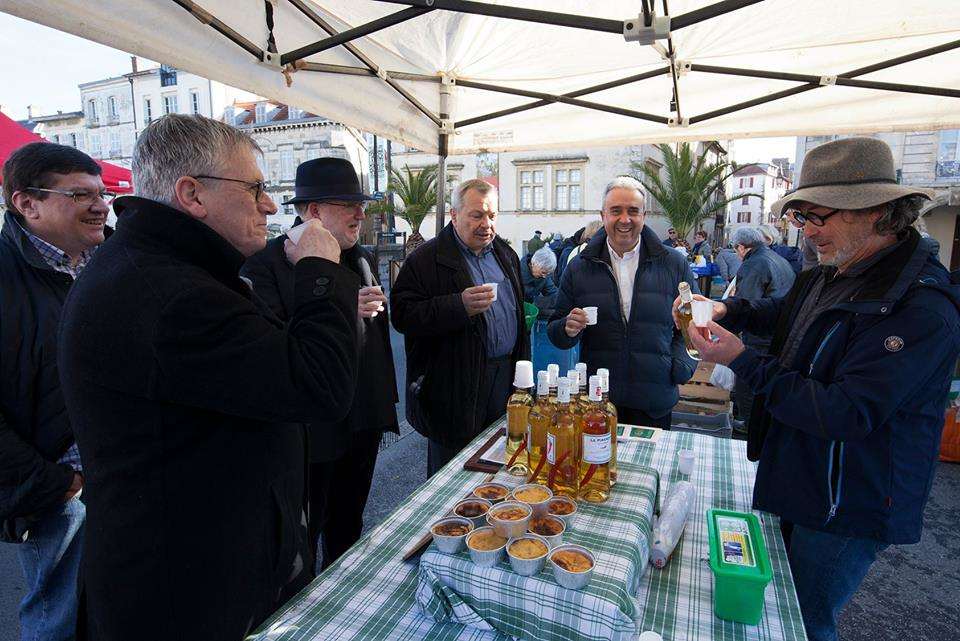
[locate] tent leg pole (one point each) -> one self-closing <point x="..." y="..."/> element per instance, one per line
<point x="441" y="183"/>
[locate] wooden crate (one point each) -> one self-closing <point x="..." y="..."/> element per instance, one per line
<point x="700" y="397"/>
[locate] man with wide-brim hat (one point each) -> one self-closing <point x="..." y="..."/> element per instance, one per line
<point x="343" y="454"/>
<point x="850" y="396"/>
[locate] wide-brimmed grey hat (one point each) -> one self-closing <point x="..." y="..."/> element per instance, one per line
<point x="853" y="173"/>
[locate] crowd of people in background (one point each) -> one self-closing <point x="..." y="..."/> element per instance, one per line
<point x="190" y="415"/>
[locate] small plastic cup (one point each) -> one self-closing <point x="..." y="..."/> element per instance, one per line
<point x="702" y="312"/>
<point x="294" y="233"/>
<point x="591" y="315"/>
<point x="687" y="459"/>
<point x="494" y="285"/>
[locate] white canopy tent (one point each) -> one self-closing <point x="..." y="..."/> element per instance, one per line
<point x="454" y="76"/>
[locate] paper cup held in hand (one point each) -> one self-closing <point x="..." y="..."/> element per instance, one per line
<point x="494" y="286"/>
<point x="294" y="233"/>
<point x="702" y="312"/>
<point x="591" y="315"/>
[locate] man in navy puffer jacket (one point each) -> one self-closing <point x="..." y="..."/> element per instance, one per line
<point x="631" y="277"/>
<point x="850" y="397"/>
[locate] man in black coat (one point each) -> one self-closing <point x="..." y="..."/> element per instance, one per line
<point x="461" y="344"/>
<point x="57" y="210"/>
<point x="187" y="398"/>
<point x="343" y="454"/>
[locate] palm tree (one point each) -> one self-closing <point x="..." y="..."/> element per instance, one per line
<point x="417" y="189"/>
<point x="692" y="190"/>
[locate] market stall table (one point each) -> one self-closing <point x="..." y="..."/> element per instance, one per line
<point x="370" y="592"/>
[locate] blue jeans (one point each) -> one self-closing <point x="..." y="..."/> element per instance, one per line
<point x="827" y="570"/>
<point x="50" y="558"/>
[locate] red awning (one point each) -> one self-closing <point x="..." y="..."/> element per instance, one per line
<point x="13" y="136"/>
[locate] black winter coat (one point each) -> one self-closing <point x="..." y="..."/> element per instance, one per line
<point x="645" y="354"/>
<point x="763" y="274"/>
<point x="34" y="427"/>
<point x="272" y="277"/>
<point x="186" y="400"/>
<point x="445" y="348"/>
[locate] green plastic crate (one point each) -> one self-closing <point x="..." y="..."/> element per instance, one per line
<point x="740" y="564"/>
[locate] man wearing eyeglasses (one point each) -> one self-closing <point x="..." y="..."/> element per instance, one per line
<point x="188" y="396"/>
<point x="343" y="454"/>
<point x="850" y="397"/>
<point x="56" y="212"/>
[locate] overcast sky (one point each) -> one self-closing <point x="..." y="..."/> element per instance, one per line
<point x="41" y="66"/>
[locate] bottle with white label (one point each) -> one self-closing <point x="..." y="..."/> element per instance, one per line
<point x="612" y="421"/>
<point x="595" y="448"/>
<point x="540" y="419"/>
<point x="562" y="446"/>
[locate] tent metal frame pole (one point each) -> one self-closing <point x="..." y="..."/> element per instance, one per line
<point x="366" y="61"/>
<point x="843" y="78"/>
<point x="589" y="23"/>
<point x="443" y="149"/>
<point x="672" y="56"/>
<point x="354" y="33"/>
<point x="569" y="101"/>
<point x="221" y="27"/>
<point x="711" y="11"/>
<point x="573" y="94"/>
<point x="363" y="71"/>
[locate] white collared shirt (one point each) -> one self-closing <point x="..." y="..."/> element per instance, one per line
<point x="625" y="271"/>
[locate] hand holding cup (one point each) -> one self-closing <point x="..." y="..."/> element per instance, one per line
<point x="370" y="301"/>
<point x="315" y="241"/>
<point x="576" y="321"/>
<point x="478" y="299"/>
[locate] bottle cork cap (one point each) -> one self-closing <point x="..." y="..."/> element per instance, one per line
<point x="596" y="388"/>
<point x="574" y="377"/>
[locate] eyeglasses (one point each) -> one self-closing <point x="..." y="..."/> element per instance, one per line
<point x="84" y="198"/>
<point x="799" y="218"/>
<point x="353" y="204"/>
<point x="259" y="186"/>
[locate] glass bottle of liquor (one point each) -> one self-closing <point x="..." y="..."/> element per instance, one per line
<point x="541" y="417"/>
<point x="578" y="405"/>
<point x="685" y="312"/>
<point x="562" y="446"/>
<point x="612" y="419"/>
<point x="595" y="464"/>
<point x="518" y="410"/>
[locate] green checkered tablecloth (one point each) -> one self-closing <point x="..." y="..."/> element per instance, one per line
<point x="370" y="592"/>
<point x="452" y="588"/>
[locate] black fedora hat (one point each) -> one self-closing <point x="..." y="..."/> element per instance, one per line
<point x="327" y="179"/>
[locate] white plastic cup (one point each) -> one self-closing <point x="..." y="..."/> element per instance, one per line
<point x="523" y="376"/>
<point x="591" y="315"/>
<point x="702" y="312"/>
<point x="650" y="635"/>
<point x="494" y="285"/>
<point x="687" y="459"/>
<point x="294" y="233"/>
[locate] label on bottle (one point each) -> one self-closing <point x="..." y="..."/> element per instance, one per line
<point x="596" y="448"/>
<point x="551" y="449"/>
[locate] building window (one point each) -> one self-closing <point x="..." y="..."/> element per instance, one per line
<point x="194" y="102"/>
<point x="743" y="217"/>
<point x="168" y="76"/>
<point x="112" y="111"/>
<point x="286" y="164"/>
<point x="568" y="189"/>
<point x="95" y="145"/>
<point x="92" y="111"/>
<point x="170" y="104"/>
<point x="55" y="138"/>
<point x="745" y="200"/>
<point x="531" y="189"/>
<point x="260" y="112"/>
<point x="115" y="144"/>
<point x="948" y="155"/>
<point x="147" y="112"/>
<point x="73" y="140"/>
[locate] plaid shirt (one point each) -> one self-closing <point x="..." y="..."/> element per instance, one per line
<point x="60" y="261"/>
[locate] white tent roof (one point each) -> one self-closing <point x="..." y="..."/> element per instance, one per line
<point x="816" y="38"/>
